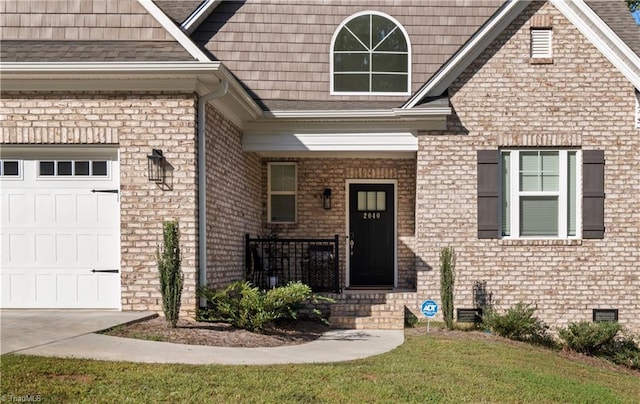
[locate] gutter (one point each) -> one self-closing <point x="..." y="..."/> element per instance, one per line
<point x="202" y="183"/>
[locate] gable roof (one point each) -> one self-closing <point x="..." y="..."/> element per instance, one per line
<point x="609" y="26"/>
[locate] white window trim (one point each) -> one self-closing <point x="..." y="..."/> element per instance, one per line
<point x="294" y="192"/>
<point x="541" y="43"/>
<point x="73" y="176"/>
<point x="516" y="194"/>
<point x="333" y="40"/>
<point x="12" y="177"/>
<point x="637" y="109"/>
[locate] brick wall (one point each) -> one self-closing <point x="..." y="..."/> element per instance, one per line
<point x="316" y="174"/>
<point x="503" y="100"/>
<point x="135" y="124"/>
<point x="233" y="199"/>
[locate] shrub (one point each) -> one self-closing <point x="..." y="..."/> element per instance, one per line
<point x="590" y="338"/>
<point x="606" y="340"/>
<point x="518" y="323"/>
<point x="245" y="306"/>
<point x="447" y="279"/>
<point x="171" y="276"/>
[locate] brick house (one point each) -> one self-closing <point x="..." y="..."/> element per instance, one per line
<point x="507" y="131"/>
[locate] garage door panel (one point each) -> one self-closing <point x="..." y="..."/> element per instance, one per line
<point x="55" y="231"/>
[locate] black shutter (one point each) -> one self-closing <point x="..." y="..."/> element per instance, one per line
<point x="593" y="194"/>
<point x="488" y="194"/>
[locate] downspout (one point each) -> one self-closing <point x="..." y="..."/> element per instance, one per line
<point x="202" y="183"/>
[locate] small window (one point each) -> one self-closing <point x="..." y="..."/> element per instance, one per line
<point x="99" y="168"/>
<point x="539" y="193"/>
<point x="9" y="168"/>
<point x="283" y="187"/>
<point x="81" y="168"/>
<point x="65" y="168"/>
<point x="637" y="109"/>
<point x="47" y="168"/>
<point x="602" y="315"/>
<point x="372" y="201"/>
<point x="370" y="54"/>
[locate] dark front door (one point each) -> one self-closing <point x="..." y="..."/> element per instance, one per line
<point x="371" y="244"/>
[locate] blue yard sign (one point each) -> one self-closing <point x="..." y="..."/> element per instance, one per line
<point x="429" y="308"/>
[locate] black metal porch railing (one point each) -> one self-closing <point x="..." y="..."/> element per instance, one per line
<point x="272" y="262"/>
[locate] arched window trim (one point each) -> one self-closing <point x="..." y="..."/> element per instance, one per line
<point x="331" y="58"/>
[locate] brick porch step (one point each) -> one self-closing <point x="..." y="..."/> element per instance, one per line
<point x="369" y="310"/>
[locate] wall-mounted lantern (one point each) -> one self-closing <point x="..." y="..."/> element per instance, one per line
<point x="156" y="166"/>
<point x="326" y="198"/>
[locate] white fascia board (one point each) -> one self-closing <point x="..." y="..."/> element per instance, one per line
<point x="598" y="33"/>
<point x="174" y="30"/>
<point x="109" y="67"/>
<point x="469" y="52"/>
<point x="200" y="14"/>
<point x="331" y="142"/>
<point x="392" y="113"/>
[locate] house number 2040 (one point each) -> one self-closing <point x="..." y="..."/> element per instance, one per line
<point x="371" y="215"/>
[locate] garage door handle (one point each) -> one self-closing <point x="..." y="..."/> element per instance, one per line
<point x="109" y="191"/>
<point x="108" y="271"/>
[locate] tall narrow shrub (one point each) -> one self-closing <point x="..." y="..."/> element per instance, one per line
<point x="447" y="279"/>
<point x="171" y="276"/>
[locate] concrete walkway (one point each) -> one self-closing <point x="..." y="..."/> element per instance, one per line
<point x="69" y="333"/>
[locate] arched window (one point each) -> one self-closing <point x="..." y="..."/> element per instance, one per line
<point x="370" y="54"/>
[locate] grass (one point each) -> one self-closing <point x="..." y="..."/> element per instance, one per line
<point x="433" y="368"/>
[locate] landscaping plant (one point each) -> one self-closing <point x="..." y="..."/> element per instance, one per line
<point x="447" y="279"/>
<point x="519" y="323"/>
<point x="171" y="276"/>
<point x="606" y="340"/>
<point x="245" y="306"/>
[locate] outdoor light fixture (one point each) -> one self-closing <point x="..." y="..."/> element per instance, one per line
<point x="326" y="198"/>
<point x="156" y="166"/>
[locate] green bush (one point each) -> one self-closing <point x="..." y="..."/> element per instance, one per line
<point x="518" y="323"/>
<point x="245" y="306"/>
<point x="606" y="340"/>
<point x="171" y="276"/>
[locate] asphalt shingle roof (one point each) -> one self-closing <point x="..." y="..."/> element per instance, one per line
<point x="617" y="16"/>
<point x="178" y="10"/>
<point x="92" y="51"/>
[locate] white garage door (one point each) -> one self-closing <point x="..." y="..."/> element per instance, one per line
<point x="60" y="234"/>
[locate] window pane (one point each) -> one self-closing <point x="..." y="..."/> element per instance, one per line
<point x="549" y="163"/>
<point x="371" y="200"/>
<point x="389" y="83"/>
<point x="362" y="201"/>
<point x="283" y="208"/>
<point x="529" y="171"/>
<point x="99" y="168"/>
<point x="10" y="168"/>
<point x="389" y="62"/>
<point x="381" y="27"/>
<point x="571" y="191"/>
<point x="82" y="168"/>
<point x="360" y="26"/>
<point x="345" y="41"/>
<point x="283" y="177"/>
<point x="506" y="194"/>
<point x="351" y="82"/>
<point x="394" y="42"/>
<point x="64" y="168"/>
<point x="539" y="216"/>
<point x="381" y="201"/>
<point x="47" y="168"/>
<point x="351" y="62"/>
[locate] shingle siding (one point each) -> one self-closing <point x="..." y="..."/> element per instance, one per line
<point x="125" y="20"/>
<point x="280" y="50"/>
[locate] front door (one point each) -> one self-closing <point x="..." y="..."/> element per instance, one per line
<point x="371" y="244"/>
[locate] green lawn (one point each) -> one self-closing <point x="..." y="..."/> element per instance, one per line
<point x="434" y="368"/>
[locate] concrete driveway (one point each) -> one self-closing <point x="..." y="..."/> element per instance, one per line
<point x="24" y="329"/>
